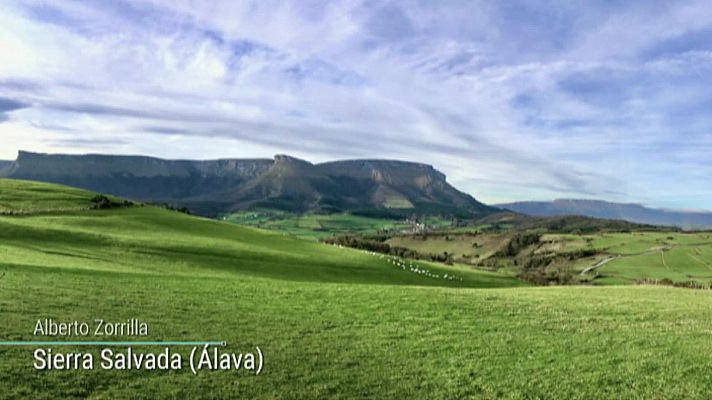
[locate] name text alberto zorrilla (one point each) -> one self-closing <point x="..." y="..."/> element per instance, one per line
<point x="98" y="327"/>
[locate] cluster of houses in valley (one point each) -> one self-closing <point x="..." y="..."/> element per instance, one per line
<point x="415" y="226"/>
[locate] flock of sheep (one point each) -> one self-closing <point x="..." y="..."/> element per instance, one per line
<point x="408" y="265"/>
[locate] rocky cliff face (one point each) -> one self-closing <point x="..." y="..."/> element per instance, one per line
<point x="137" y="177"/>
<point x="285" y="182"/>
<point x="138" y="166"/>
<point x="384" y="171"/>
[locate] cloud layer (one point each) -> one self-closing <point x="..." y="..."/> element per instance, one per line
<point x="513" y="100"/>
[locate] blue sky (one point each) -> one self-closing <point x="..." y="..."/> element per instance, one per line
<point x="513" y="100"/>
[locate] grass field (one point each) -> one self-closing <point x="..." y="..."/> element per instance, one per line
<point x="457" y="245"/>
<point x="316" y="226"/>
<point x="636" y="256"/>
<point x="645" y="255"/>
<point x="332" y="322"/>
<point x="378" y="341"/>
<point x="33" y="197"/>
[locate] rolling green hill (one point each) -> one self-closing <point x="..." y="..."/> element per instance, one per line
<point x="25" y="197"/>
<point x="153" y="240"/>
<point x="332" y="322"/>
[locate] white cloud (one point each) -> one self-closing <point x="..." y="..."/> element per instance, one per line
<point x="572" y="108"/>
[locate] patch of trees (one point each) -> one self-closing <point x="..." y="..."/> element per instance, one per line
<point x="546" y="269"/>
<point x="545" y="277"/>
<point x="171" y="207"/>
<point x="377" y="213"/>
<point x="681" y="284"/>
<point x="491" y="263"/>
<point x="441" y="234"/>
<point x="577" y="254"/>
<point x="550" y="268"/>
<point x="101" y="202"/>
<point x="357" y="242"/>
<point x="579" y="225"/>
<point x="377" y="244"/>
<point x="517" y="243"/>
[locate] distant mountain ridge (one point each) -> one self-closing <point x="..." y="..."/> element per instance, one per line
<point x="608" y="210"/>
<point x="217" y="186"/>
<point x="5" y="164"/>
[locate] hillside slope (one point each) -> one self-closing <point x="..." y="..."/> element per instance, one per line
<point x="602" y="209"/>
<point x="145" y="239"/>
<point x="332" y="323"/>
<point x="286" y="183"/>
<point x="27" y="197"/>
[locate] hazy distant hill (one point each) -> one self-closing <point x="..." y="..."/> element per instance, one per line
<point x="216" y="186"/>
<point x="602" y="209"/>
<point x="5" y="164"/>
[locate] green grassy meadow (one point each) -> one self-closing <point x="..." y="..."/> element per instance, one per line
<point x="678" y="256"/>
<point x="313" y="226"/>
<point x="33" y="197"/>
<point x="332" y="322"/>
<point x="642" y="255"/>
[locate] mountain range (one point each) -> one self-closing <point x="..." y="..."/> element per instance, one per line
<point x="220" y="186"/>
<point x="622" y="211"/>
<point x="372" y="187"/>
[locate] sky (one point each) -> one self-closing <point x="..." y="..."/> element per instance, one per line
<point x="513" y="100"/>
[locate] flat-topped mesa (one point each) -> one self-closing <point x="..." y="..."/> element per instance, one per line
<point x="246" y="168"/>
<point x="29" y="164"/>
<point x="212" y="187"/>
<point x="137" y="177"/>
<point x="385" y="170"/>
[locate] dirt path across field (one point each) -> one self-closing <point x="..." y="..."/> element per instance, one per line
<point x="617" y="256"/>
<point x="662" y="256"/>
<point x="600" y="264"/>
